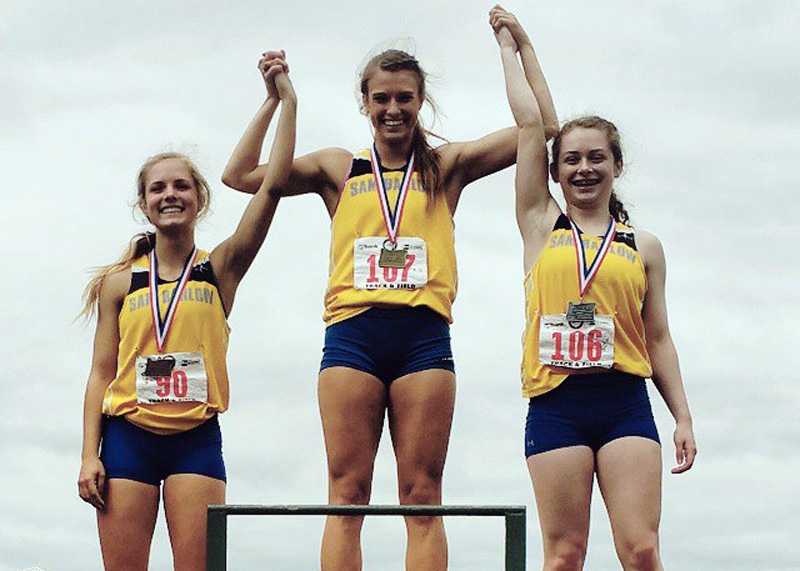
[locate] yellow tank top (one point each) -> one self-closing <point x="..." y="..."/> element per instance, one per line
<point x="199" y="325"/>
<point x="359" y="218"/>
<point x="618" y="290"/>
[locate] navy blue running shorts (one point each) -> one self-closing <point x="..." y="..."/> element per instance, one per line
<point x="133" y="453"/>
<point x="389" y="342"/>
<point x="589" y="410"/>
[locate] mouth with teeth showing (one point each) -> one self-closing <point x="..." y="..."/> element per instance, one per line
<point x="392" y="123"/>
<point x="585" y="182"/>
<point x="171" y="209"/>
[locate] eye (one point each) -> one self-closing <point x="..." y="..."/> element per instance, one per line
<point x="571" y="159"/>
<point x="405" y="97"/>
<point x="380" y="98"/>
<point x="597" y="157"/>
<point x="155" y="188"/>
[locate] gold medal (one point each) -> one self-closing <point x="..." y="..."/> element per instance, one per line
<point x="391" y="257"/>
<point x="579" y="314"/>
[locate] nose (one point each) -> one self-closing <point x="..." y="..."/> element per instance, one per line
<point x="170" y="192"/>
<point x="585" y="166"/>
<point x="393" y="108"/>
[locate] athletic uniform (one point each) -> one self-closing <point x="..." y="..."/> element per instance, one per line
<point x="392" y="277"/>
<point x="584" y="351"/>
<point x="172" y="380"/>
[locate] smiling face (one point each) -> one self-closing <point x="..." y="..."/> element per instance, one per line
<point x="586" y="167"/>
<point x="171" y="199"/>
<point x="392" y="102"/>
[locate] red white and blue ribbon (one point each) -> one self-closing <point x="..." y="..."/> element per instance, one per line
<point x="587" y="274"/>
<point x="391" y="219"/>
<point x="161" y="327"/>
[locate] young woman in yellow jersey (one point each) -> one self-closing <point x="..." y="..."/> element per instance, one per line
<point x="391" y="287"/>
<point x="596" y="327"/>
<point x="158" y="378"/>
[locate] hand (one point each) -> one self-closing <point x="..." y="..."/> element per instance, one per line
<point x="685" y="447"/>
<point x="91" y="482"/>
<point x="499" y="18"/>
<point x="505" y="39"/>
<point x="267" y="61"/>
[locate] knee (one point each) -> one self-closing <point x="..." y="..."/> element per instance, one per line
<point x="423" y="488"/>
<point x="641" y="554"/>
<point x="566" y="555"/>
<point x="348" y="489"/>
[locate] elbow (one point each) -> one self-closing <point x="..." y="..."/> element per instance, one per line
<point x="551" y="130"/>
<point x="229" y="179"/>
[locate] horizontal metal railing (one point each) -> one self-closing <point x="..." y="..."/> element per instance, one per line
<point x="217" y="532"/>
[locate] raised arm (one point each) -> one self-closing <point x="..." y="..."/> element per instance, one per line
<point x="535" y="208"/>
<point x="319" y="172"/>
<point x="500" y="18"/>
<point x="91" y="479"/>
<point x="232" y="258"/>
<point x="663" y="356"/>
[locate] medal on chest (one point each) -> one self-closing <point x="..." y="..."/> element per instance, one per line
<point x="169" y="377"/>
<point x="579" y="338"/>
<point x="392" y="262"/>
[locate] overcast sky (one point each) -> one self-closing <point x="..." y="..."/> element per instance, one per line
<point x="705" y="94"/>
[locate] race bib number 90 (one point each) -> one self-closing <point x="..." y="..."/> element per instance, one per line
<point x="368" y="273"/>
<point x="171" y="377"/>
<point x="577" y="345"/>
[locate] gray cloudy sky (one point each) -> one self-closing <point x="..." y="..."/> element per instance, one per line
<point x="705" y="95"/>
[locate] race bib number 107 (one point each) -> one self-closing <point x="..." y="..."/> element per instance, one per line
<point x="368" y="273"/>
<point x="562" y="344"/>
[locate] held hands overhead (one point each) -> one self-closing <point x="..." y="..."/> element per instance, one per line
<point x="500" y="19"/>
<point x="275" y="72"/>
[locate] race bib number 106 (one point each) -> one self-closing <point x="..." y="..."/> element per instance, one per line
<point x="587" y="345"/>
<point x="368" y="273"/>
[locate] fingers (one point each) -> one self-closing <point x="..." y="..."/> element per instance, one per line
<point x="685" y="452"/>
<point x="90" y="489"/>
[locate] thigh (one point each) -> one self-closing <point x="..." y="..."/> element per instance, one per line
<point x="352" y="404"/>
<point x="420" y="416"/>
<point x="629" y="475"/>
<point x="186" y="501"/>
<point x="562" y="483"/>
<point x="126" y="525"/>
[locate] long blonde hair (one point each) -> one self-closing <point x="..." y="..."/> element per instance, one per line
<point x="143" y="242"/>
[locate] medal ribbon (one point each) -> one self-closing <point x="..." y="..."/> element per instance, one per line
<point x="392" y="221"/>
<point x="587" y="275"/>
<point x="161" y="328"/>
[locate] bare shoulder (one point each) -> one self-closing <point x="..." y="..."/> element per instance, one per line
<point x="650" y="247"/>
<point x="448" y="155"/>
<point x="114" y="288"/>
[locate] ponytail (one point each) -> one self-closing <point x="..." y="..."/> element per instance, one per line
<point x="140" y="245"/>
<point x="617" y="210"/>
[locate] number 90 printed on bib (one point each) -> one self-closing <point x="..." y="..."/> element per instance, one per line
<point x="368" y="274"/>
<point x="184" y="380"/>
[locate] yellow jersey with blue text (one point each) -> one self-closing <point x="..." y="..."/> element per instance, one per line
<point x="426" y="275"/>
<point x="199" y="328"/>
<point x="616" y="294"/>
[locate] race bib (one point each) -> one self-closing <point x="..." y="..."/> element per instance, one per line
<point x="371" y="272"/>
<point x="171" y="377"/>
<point x="576" y="345"/>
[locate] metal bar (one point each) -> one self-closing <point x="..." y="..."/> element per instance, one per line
<point x="216" y="539"/>
<point x="515" y="541"/>
<point x="514" y="516"/>
<point x="422" y="510"/>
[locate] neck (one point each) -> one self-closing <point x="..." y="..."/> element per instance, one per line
<point x="591" y="219"/>
<point x="172" y="249"/>
<point x="393" y="154"/>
